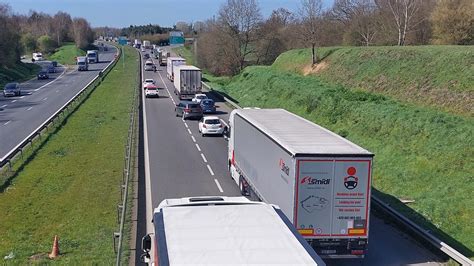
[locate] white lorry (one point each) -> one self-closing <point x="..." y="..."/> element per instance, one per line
<point x="81" y="62"/>
<point x="92" y="56"/>
<point x="224" y="231"/>
<point x="320" y="180"/>
<point x="187" y="81"/>
<point x="172" y="62"/>
<point x="147" y="44"/>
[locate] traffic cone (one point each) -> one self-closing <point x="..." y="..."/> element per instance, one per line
<point x="55" y="252"/>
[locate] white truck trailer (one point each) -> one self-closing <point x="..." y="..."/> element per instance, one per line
<point x="224" y="231"/>
<point x="172" y="62"/>
<point x="92" y="56"/>
<point x="320" y="180"/>
<point x="187" y="81"/>
<point x="147" y="44"/>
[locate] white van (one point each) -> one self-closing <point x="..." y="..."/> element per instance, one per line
<point x="37" y="56"/>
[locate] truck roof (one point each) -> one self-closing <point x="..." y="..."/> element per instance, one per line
<point x="248" y="233"/>
<point x="176" y="58"/>
<point x="298" y="136"/>
<point x="187" y="67"/>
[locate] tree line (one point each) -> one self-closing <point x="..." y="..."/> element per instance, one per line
<point x="39" y="32"/>
<point x="239" y="35"/>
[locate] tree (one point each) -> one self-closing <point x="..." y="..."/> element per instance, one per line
<point x="83" y="34"/>
<point x="45" y="44"/>
<point x="239" y="20"/>
<point x="453" y="22"/>
<point x="61" y="24"/>
<point x="28" y="42"/>
<point x="404" y="14"/>
<point x="10" y="39"/>
<point x="310" y="13"/>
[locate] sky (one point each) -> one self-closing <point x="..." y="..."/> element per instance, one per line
<point x="123" y="13"/>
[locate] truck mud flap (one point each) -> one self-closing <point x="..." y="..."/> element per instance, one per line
<point x="244" y="186"/>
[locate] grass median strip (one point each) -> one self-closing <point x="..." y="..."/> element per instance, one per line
<point x="71" y="187"/>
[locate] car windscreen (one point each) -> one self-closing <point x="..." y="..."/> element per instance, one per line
<point x="193" y="106"/>
<point x="81" y="63"/>
<point x="208" y="102"/>
<point x="212" y="121"/>
<point x="149" y="64"/>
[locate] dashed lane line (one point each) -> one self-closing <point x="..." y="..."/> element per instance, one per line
<point x="194" y="140"/>
<point x="197" y="147"/>
<point x="29" y="108"/>
<point x="14" y="101"/>
<point x="204" y="158"/>
<point x="210" y="169"/>
<point x="190" y="133"/>
<point x="6" y="123"/>
<point x="45" y="98"/>
<point x="218" y="185"/>
<point x="186" y="125"/>
<point x="3" y="106"/>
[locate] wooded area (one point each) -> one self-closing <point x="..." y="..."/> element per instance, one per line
<point x="240" y="36"/>
<point x="39" y="32"/>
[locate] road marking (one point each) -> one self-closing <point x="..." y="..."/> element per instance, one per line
<point x="197" y="147"/>
<point x="5" y="105"/>
<point x="204" y="158"/>
<point x="29" y="108"/>
<point x="190" y="132"/>
<point x="51" y="81"/>
<point x="193" y="138"/>
<point x="22" y="97"/>
<point x="13" y="101"/>
<point x="210" y="169"/>
<point x="186" y="125"/>
<point x="45" y="99"/>
<point x="37" y="89"/>
<point x="218" y="185"/>
<point x="6" y="123"/>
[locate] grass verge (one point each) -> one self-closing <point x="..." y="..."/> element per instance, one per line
<point x="422" y="154"/>
<point x="186" y="53"/>
<point x="17" y="73"/>
<point x="71" y="186"/>
<point x="66" y="54"/>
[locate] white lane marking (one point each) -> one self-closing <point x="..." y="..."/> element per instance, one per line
<point x="29" y="108"/>
<point x="197" y="147"/>
<point x="223" y="122"/>
<point x="149" y="202"/>
<point x="186" y="125"/>
<point x="204" y="158"/>
<point x="5" y="105"/>
<point x="45" y="98"/>
<point x="190" y="132"/>
<point x="37" y="89"/>
<point x="194" y="140"/>
<point x="13" y="101"/>
<point x="218" y="185"/>
<point x="6" y="123"/>
<point x="210" y="169"/>
<point x="22" y="97"/>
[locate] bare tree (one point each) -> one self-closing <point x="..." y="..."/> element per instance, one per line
<point x="453" y="22"/>
<point x="239" y="19"/>
<point x="61" y="23"/>
<point x="310" y="14"/>
<point x="404" y="14"/>
<point x="83" y="34"/>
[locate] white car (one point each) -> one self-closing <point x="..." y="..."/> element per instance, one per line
<point x="151" y="91"/>
<point x="199" y="97"/>
<point x="211" y="125"/>
<point x="148" y="82"/>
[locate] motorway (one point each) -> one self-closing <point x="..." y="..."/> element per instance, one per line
<point x="20" y="116"/>
<point x="179" y="162"/>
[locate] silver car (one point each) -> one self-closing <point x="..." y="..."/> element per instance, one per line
<point x="12" y="89"/>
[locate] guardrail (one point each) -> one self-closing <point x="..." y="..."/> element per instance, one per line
<point x="18" y="149"/>
<point x="122" y="208"/>
<point x="387" y="209"/>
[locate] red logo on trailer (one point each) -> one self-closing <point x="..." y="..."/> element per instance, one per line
<point x="350" y="182"/>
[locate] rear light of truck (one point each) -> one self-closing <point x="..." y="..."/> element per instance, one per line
<point x="187" y="110"/>
<point x="357" y="252"/>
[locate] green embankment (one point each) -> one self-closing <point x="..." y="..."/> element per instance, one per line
<point x="66" y="54"/>
<point x="18" y="73"/>
<point x="436" y="76"/>
<point x="422" y="154"/>
<point x="72" y="186"/>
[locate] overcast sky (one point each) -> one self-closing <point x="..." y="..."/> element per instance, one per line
<point x="122" y="13"/>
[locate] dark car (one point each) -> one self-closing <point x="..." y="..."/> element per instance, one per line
<point x="188" y="109"/>
<point x="54" y="63"/>
<point x="51" y="69"/>
<point x="12" y="89"/>
<point x="43" y="75"/>
<point x="208" y="106"/>
<point x="146" y="56"/>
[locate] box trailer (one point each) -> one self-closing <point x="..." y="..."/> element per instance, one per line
<point x="147" y="44"/>
<point x="82" y="64"/>
<point x="171" y="62"/>
<point x="320" y="180"/>
<point x="187" y="81"/>
<point x="224" y="231"/>
<point x="92" y="56"/>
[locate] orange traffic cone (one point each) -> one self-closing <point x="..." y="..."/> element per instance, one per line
<point x="55" y="252"/>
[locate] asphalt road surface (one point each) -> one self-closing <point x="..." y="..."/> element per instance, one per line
<point x="21" y="115"/>
<point x="179" y="162"/>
